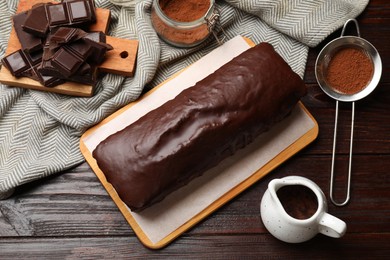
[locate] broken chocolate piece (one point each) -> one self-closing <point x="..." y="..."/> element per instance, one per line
<point x="51" y="81"/>
<point x="69" y="13"/>
<point x="36" y="22"/>
<point x="80" y="48"/>
<point x="50" y="15"/>
<point x="16" y="63"/>
<point x="86" y="74"/>
<point x="57" y="14"/>
<point x="81" y="11"/>
<point x="66" y="62"/>
<point x="24" y="64"/>
<point x="96" y="36"/>
<point x="97" y="40"/>
<point x="28" y="41"/>
<point x="65" y="35"/>
<point x="78" y="11"/>
<point x="53" y="50"/>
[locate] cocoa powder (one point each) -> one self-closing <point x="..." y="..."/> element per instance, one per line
<point x="181" y="11"/>
<point x="349" y="71"/>
<point x="184" y="10"/>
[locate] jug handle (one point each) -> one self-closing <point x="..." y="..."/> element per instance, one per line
<point x="331" y="226"/>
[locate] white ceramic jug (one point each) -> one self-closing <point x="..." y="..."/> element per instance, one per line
<point x="307" y="215"/>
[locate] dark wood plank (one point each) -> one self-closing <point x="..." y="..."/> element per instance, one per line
<point x="371" y="122"/>
<point x="70" y="216"/>
<point x="366" y="246"/>
<point x="74" y="203"/>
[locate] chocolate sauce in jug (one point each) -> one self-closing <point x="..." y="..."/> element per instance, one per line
<point x="298" y="201"/>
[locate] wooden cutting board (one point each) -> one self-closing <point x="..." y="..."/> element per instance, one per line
<point x="121" y="60"/>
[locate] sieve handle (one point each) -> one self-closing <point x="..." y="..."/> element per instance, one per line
<point x="350" y="157"/>
<point x="356" y="25"/>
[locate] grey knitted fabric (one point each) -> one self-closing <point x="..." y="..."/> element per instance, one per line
<point x="40" y="131"/>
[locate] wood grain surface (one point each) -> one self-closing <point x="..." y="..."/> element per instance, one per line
<point x="70" y="215"/>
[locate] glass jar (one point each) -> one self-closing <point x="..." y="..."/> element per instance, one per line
<point x="183" y="34"/>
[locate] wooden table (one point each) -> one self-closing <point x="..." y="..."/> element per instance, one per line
<point x="70" y="215"/>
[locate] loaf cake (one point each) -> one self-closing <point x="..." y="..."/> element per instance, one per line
<point x="169" y="146"/>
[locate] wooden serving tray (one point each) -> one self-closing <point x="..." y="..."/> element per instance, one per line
<point x="285" y="154"/>
<point x="121" y="60"/>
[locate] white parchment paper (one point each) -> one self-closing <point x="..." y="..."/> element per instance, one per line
<point x="161" y="219"/>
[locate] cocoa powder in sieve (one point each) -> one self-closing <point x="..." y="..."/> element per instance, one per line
<point x="349" y="71"/>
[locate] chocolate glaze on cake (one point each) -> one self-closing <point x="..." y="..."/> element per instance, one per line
<point x="204" y="124"/>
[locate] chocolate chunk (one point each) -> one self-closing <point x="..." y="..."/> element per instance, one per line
<point x="97" y="40"/>
<point x="86" y="74"/>
<point x="47" y="69"/>
<point x="51" y="81"/>
<point x="16" y="63"/>
<point x="34" y="58"/>
<point x="43" y="16"/>
<point x="24" y="64"/>
<point x="66" y="62"/>
<point x="28" y="41"/>
<point x="96" y="36"/>
<point x="80" y="48"/>
<point x="78" y="11"/>
<point x="36" y="22"/>
<point x="64" y="35"/>
<point x="53" y="46"/>
<point x="81" y="10"/>
<point x="57" y="14"/>
<point x="69" y="13"/>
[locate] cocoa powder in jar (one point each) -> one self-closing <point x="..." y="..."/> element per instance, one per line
<point x="184" y="10"/>
<point x="179" y="21"/>
<point x="349" y="71"/>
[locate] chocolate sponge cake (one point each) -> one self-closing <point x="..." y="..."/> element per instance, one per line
<point x="204" y="124"/>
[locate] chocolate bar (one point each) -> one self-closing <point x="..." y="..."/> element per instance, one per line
<point x="24" y="64"/>
<point x="68" y="13"/>
<point x="43" y="17"/>
<point x="28" y="41"/>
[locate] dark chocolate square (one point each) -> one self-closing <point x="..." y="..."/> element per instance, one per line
<point x="66" y="63"/>
<point x="57" y="14"/>
<point x="81" y="48"/>
<point x="16" y="63"/>
<point x="78" y="11"/>
<point x="63" y="35"/>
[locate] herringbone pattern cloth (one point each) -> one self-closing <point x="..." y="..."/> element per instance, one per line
<point x="40" y="132"/>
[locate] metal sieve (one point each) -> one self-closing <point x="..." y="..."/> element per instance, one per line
<point x="321" y="66"/>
